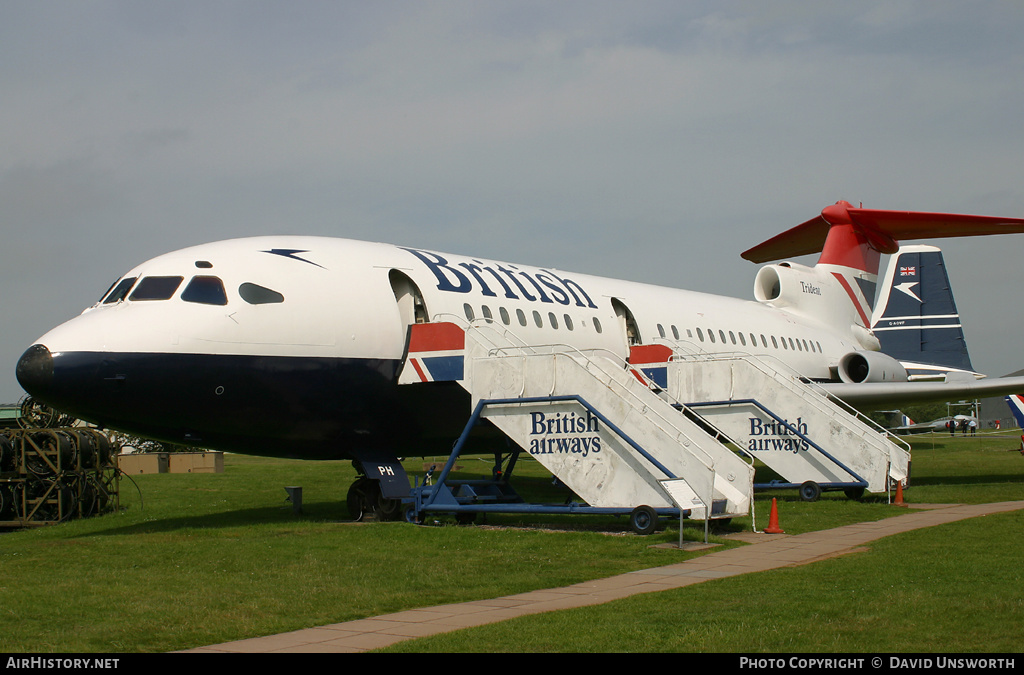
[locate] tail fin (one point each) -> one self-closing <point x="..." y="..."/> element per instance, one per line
<point x="852" y="239"/>
<point x="1016" y="403"/>
<point x="916" y="319"/>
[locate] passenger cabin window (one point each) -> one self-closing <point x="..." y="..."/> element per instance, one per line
<point x="521" y="315"/>
<point x="120" y="291"/>
<point x="156" y="288"/>
<point x="258" y="295"/>
<point x="597" y="325"/>
<point x="205" y="291"/>
<point x="568" y="321"/>
<point x="505" y="319"/>
<point x="468" y="308"/>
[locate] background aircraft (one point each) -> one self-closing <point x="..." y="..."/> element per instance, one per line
<point x="939" y="425"/>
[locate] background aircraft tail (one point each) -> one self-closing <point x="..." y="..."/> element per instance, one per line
<point x="915" y="318"/>
<point x="1016" y="403"/>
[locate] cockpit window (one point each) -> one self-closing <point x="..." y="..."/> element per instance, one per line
<point x="205" y="291"/>
<point x="120" y="290"/>
<point x="258" y="295"/>
<point x="156" y="288"/>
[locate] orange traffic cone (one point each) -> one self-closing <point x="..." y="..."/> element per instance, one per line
<point x="773" y="521"/>
<point x="899" y="494"/>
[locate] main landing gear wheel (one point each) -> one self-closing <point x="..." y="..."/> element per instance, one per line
<point x="810" y="491"/>
<point x="643" y="520"/>
<point x="854" y="493"/>
<point x="465" y="517"/>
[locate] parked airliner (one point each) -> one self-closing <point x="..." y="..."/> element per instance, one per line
<point x="296" y="346"/>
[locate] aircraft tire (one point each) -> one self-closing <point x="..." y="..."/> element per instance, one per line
<point x="643" y="520"/>
<point x="356" y="500"/>
<point x="854" y="493"/>
<point x="386" y="509"/>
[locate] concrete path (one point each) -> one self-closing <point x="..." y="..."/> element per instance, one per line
<point x="765" y="552"/>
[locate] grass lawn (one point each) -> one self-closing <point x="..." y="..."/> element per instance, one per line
<point x="196" y="559"/>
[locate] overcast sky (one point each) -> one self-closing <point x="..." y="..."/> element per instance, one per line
<point x="652" y="141"/>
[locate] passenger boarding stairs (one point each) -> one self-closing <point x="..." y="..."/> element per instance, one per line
<point x="813" y="441"/>
<point x="605" y="433"/>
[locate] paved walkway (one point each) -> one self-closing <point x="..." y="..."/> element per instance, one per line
<point x="765" y="552"/>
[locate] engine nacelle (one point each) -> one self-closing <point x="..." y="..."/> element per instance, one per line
<point x="788" y="285"/>
<point x="860" y="366"/>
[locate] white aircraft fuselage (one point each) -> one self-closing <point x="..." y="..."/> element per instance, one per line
<point x="294" y="345"/>
<point x="286" y="345"/>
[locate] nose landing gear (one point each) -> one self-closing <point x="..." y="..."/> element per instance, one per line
<point x="365" y="499"/>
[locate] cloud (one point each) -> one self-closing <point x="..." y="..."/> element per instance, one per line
<point x="653" y="141"/>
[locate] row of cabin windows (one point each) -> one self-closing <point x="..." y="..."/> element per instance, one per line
<point x="794" y="344"/>
<point x="204" y="290"/>
<point x="538" y="319"/>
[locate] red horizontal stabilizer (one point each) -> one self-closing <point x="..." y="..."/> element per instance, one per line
<point x="883" y="229"/>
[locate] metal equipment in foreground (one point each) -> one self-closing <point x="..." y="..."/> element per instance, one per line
<point x="48" y="476"/>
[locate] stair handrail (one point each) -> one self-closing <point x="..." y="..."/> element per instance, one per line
<point x="766" y="362"/>
<point x="665" y="424"/>
<point x="580" y="359"/>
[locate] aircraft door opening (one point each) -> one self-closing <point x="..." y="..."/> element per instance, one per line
<point x="411" y="307"/>
<point x="627" y="324"/>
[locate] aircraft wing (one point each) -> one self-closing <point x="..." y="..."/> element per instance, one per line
<point x="878" y="395"/>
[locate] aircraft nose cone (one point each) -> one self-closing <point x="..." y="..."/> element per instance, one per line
<point x="35" y="370"/>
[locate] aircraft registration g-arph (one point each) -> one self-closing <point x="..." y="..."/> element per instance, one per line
<point x="295" y="346"/>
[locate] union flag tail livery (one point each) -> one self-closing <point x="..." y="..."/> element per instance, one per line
<point x="1016" y="403"/>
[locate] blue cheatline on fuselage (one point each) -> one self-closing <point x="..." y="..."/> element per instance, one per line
<point x="304" y="407"/>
